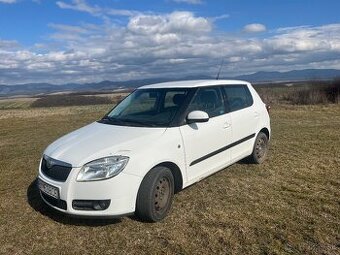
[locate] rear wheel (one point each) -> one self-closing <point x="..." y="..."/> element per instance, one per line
<point x="260" y="150"/>
<point x="155" y="195"/>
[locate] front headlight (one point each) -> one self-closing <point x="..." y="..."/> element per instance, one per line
<point x="103" y="168"/>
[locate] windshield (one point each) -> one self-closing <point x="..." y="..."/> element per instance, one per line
<point x="148" y="107"/>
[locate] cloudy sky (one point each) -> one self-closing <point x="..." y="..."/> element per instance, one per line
<point x="90" y="41"/>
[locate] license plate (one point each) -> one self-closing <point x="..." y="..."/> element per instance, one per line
<point x="48" y="189"/>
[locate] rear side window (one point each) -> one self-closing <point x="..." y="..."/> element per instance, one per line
<point x="238" y="97"/>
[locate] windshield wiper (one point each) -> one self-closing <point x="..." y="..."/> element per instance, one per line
<point x="107" y="119"/>
<point x="138" y="122"/>
<point x="124" y="122"/>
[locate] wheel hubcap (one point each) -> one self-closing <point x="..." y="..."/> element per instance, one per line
<point x="162" y="194"/>
<point x="261" y="148"/>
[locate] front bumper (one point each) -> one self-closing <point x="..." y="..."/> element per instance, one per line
<point x="121" y="190"/>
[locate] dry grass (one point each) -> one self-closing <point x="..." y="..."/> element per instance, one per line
<point x="69" y="100"/>
<point x="16" y="103"/>
<point x="301" y="93"/>
<point x="61" y="99"/>
<point x="288" y="205"/>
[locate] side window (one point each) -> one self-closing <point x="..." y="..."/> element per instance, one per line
<point x="208" y="99"/>
<point x="238" y="96"/>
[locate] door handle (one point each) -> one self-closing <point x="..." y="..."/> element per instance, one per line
<point x="226" y="125"/>
<point x="256" y="114"/>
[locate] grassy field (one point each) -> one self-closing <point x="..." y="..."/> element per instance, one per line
<point x="16" y="103"/>
<point x="288" y="205"/>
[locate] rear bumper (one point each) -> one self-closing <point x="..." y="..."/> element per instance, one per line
<point x="120" y="190"/>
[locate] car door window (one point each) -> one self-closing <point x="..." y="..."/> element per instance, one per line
<point x="238" y="97"/>
<point x="209" y="100"/>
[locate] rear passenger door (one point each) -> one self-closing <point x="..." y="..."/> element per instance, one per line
<point x="244" y="120"/>
<point x="204" y="143"/>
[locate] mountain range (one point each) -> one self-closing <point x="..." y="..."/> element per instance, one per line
<point x="258" y="77"/>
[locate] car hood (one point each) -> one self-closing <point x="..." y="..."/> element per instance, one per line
<point x="99" y="140"/>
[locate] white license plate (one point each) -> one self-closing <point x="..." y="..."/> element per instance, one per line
<point x="48" y="189"/>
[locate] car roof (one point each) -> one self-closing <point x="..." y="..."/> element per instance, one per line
<point x="193" y="84"/>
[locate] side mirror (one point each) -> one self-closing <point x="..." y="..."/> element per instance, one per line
<point x="197" y="116"/>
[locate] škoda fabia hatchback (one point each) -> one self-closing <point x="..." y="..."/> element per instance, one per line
<point x="157" y="141"/>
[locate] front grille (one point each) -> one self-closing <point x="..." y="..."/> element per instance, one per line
<point x="54" y="171"/>
<point x="55" y="202"/>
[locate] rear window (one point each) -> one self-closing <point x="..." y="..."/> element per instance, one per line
<point x="238" y="97"/>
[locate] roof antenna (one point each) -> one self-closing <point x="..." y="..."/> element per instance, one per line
<point x="219" y="71"/>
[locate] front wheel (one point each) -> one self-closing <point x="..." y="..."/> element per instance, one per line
<point x="155" y="195"/>
<point x="260" y="149"/>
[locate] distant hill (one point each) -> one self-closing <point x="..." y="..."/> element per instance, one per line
<point x="43" y="88"/>
<point x="295" y="75"/>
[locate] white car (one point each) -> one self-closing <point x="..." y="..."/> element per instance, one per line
<point x="160" y="139"/>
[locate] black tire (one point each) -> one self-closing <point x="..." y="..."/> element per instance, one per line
<point x="155" y="195"/>
<point x="260" y="150"/>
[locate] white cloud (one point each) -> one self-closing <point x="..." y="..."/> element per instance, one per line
<point x="79" y="5"/>
<point x="306" y="39"/>
<point x="83" y="6"/>
<point x="8" y="1"/>
<point x="223" y="16"/>
<point x="176" y="22"/>
<point x="254" y="28"/>
<point x="8" y="44"/>
<point x="176" y="44"/>
<point x="189" y="1"/>
<point x="68" y="28"/>
<point x="120" y="12"/>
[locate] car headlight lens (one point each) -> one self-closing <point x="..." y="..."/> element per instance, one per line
<point x="103" y="168"/>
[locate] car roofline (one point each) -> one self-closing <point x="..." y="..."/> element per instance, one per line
<point x="194" y="84"/>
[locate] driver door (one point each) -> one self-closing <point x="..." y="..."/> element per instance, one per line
<point x="204" y="143"/>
